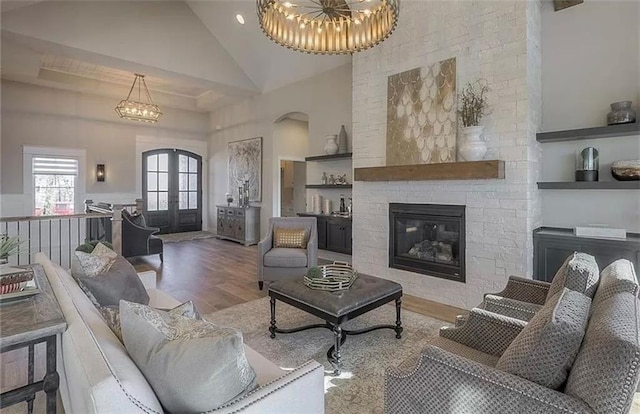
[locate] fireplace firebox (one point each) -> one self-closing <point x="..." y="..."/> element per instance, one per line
<point x="428" y="239"/>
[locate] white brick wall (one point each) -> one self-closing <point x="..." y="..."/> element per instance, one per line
<point x="495" y="40"/>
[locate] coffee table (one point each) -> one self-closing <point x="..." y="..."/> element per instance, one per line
<point x="336" y="308"/>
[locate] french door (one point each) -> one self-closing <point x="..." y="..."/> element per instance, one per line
<point x="172" y="190"/>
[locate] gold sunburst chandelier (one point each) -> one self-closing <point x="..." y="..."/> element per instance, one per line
<point x="138" y="110"/>
<point x="328" y="27"/>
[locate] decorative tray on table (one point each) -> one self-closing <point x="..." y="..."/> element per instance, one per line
<point x="331" y="277"/>
<point x="17" y="283"/>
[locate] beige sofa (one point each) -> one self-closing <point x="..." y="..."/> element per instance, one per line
<point x="97" y="375"/>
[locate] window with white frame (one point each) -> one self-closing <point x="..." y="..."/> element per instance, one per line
<point x="54" y="184"/>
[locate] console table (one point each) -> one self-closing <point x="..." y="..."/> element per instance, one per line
<point x="239" y="224"/>
<point x="28" y="322"/>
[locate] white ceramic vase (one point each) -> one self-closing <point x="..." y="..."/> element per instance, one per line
<point x="331" y="147"/>
<point x="474" y="148"/>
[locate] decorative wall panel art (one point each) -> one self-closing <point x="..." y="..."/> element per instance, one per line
<point x="421" y="115"/>
<point x="245" y="164"/>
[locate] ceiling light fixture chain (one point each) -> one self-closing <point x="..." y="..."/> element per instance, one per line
<point x="328" y="26"/>
<point x="138" y="110"/>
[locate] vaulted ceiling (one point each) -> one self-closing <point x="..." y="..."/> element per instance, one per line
<point x="195" y="54"/>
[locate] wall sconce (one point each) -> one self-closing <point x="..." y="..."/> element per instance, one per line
<point x="100" y="173"/>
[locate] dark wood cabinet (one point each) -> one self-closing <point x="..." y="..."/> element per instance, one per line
<point x="553" y="245"/>
<point x="334" y="233"/>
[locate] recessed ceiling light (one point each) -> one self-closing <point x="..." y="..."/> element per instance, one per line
<point x="240" y="18"/>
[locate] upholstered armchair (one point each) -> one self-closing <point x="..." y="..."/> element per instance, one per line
<point x="138" y="239"/>
<point x="276" y="263"/>
<point x="522" y="298"/>
<point x="463" y="370"/>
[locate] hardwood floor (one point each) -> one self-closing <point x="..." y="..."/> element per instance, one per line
<point x="217" y="274"/>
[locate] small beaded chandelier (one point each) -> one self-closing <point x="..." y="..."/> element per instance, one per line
<point x="138" y="110"/>
<point x="328" y="27"/>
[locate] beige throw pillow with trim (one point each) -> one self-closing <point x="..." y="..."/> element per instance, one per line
<point x="290" y="238"/>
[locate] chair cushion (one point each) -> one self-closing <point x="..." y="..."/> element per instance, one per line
<point x="192" y="365"/>
<point x="579" y="272"/>
<point x="546" y="348"/>
<point x="290" y="238"/>
<point x="606" y="371"/>
<point x="618" y="277"/>
<point x="464" y="351"/>
<point x="283" y="257"/>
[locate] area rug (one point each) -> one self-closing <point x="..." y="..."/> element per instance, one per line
<point x="360" y="387"/>
<point x="186" y="236"/>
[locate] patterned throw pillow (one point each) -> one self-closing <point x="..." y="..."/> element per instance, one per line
<point x="546" y="348"/>
<point x="111" y="315"/>
<point x="92" y="265"/>
<point x="192" y="365"/>
<point x="579" y="273"/>
<point x="290" y="238"/>
<point x="104" y="251"/>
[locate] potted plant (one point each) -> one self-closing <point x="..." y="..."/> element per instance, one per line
<point x="8" y="247"/>
<point x="472" y="108"/>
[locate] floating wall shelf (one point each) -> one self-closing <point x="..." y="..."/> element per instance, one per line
<point x="328" y="186"/>
<point x="590" y="185"/>
<point x="473" y="170"/>
<point x="329" y="157"/>
<point x="610" y="131"/>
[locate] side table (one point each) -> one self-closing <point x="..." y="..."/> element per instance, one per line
<point x="26" y="323"/>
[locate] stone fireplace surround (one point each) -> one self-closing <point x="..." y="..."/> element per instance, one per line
<point x="496" y="41"/>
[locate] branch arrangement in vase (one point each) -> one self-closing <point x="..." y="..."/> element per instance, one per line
<point x="473" y="105"/>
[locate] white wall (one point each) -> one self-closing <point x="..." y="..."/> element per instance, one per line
<point x="35" y="115"/>
<point x="493" y="40"/>
<point x="590" y="58"/>
<point x="325" y="98"/>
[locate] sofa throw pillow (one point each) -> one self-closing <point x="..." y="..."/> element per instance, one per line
<point x="120" y="282"/>
<point x="546" y="348"/>
<point x="103" y="251"/>
<point x="192" y="365"/>
<point x="111" y="315"/>
<point x="90" y="265"/>
<point x="290" y="238"/>
<point x="579" y="272"/>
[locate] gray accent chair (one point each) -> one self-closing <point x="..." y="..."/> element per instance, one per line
<point x="523" y="298"/>
<point x="285" y="263"/>
<point x="457" y="372"/>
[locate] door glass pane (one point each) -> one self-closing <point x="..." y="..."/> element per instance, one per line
<point x="163" y="162"/>
<point x="163" y="181"/>
<point x="183" y="202"/>
<point x="152" y="201"/>
<point x="183" y="182"/>
<point x="193" y="200"/>
<point x="152" y="181"/>
<point x="183" y="163"/>
<point x="163" y="201"/>
<point x="152" y="163"/>
<point x="193" y="182"/>
<point x="193" y="165"/>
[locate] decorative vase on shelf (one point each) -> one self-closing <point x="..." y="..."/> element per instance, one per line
<point x="331" y="147"/>
<point x="474" y="148"/>
<point x="621" y="113"/>
<point x="342" y="141"/>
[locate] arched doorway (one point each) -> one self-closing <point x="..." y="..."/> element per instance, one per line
<point x="172" y="190"/>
